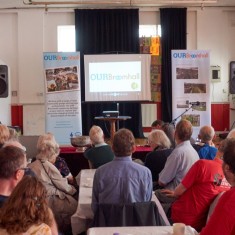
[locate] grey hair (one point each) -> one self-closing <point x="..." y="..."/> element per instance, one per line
<point x="206" y="133"/>
<point x="159" y="138"/>
<point x="231" y="134"/>
<point x="47" y="147"/>
<point x="96" y="135"/>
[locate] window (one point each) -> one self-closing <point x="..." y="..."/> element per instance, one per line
<point x="66" y="38"/>
<point x="149" y="30"/>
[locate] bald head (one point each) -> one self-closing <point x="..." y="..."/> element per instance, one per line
<point x="206" y="134"/>
<point x="15" y="143"/>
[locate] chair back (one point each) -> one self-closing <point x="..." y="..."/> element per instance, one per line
<point x="133" y="214"/>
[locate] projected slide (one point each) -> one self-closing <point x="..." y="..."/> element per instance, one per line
<point x="115" y="76"/>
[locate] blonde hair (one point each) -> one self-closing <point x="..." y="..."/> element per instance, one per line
<point x="96" y="135"/>
<point x="48" y="148"/>
<point x="4" y="134"/>
<point x="159" y="138"/>
<point x="27" y="206"/>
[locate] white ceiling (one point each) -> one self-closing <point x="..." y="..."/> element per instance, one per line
<point x="115" y="3"/>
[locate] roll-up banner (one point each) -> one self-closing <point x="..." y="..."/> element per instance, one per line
<point x="63" y="95"/>
<point x="191" y="87"/>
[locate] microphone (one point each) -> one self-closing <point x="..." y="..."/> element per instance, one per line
<point x="197" y="103"/>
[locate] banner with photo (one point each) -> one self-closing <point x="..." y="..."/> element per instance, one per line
<point x="191" y="87"/>
<point x="63" y="95"/>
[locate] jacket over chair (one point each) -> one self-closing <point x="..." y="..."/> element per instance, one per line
<point x="133" y="214"/>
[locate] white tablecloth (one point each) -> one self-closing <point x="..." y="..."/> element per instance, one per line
<point x="84" y="213"/>
<point x="150" y="230"/>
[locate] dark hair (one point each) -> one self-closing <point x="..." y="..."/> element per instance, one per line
<point x="11" y="159"/>
<point x="123" y="143"/>
<point x="184" y="130"/>
<point x="229" y="153"/>
<point x="26" y="206"/>
<point x="157" y="122"/>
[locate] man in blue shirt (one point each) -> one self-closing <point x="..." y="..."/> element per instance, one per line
<point x="122" y="180"/>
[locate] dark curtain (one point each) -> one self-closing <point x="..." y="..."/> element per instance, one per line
<point x="100" y="31"/>
<point x="173" y="25"/>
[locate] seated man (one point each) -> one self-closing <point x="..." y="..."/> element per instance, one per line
<point x="12" y="164"/>
<point x="203" y="182"/>
<point x="100" y="152"/>
<point x="122" y="180"/>
<point x="178" y="163"/>
<point x="222" y="220"/>
<point x="206" y="148"/>
<point x="160" y="145"/>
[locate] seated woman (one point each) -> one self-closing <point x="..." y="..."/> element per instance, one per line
<point x="100" y="152"/>
<point x="26" y="210"/>
<point x="156" y="159"/>
<point x="59" y="191"/>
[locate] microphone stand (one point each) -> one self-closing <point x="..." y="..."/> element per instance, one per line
<point x="174" y="120"/>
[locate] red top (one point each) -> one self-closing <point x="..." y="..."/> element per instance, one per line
<point x="203" y="182"/>
<point x="222" y="221"/>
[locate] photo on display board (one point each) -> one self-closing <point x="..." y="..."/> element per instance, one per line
<point x="62" y="79"/>
<point x="194" y="88"/>
<point x="193" y="118"/>
<point x="187" y="73"/>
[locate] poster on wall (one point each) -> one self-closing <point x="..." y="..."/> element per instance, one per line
<point x="191" y="87"/>
<point x="63" y="95"/>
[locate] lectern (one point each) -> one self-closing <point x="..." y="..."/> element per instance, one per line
<point x="112" y="121"/>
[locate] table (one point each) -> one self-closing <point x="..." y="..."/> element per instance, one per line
<point x="76" y="160"/>
<point x="112" y="121"/>
<point x="149" y="230"/>
<point x="84" y="213"/>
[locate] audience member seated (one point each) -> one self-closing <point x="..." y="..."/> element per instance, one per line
<point x="157" y="124"/>
<point x="26" y="210"/>
<point x="222" y="220"/>
<point x="12" y="165"/>
<point x="178" y="163"/>
<point x="121" y="180"/>
<point x="206" y="148"/>
<point x="203" y="182"/>
<point x="168" y="128"/>
<point x="100" y="152"/>
<point x="155" y="160"/>
<point x="59" y="191"/>
<point x="231" y="134"/>
<point x="4" y="134"/>
<point x="60" y="163"/>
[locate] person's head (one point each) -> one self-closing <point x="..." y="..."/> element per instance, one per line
<point x="96" y="135"/>
<point x="26" y="206"/>
<point x="158" y="138"/>
<point x="206" y="134"/>
<point x="48" y="148"/>
<point x="4" y="134"/>
<point x="12" y="164"/>
<point x="13" y="134"/>
<point x="229" y="160"/>
<point x="157" y="124"/>
<point x="183" y="130"/>
<point x="123" y="143"/>
<point x="231" y="134"/>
